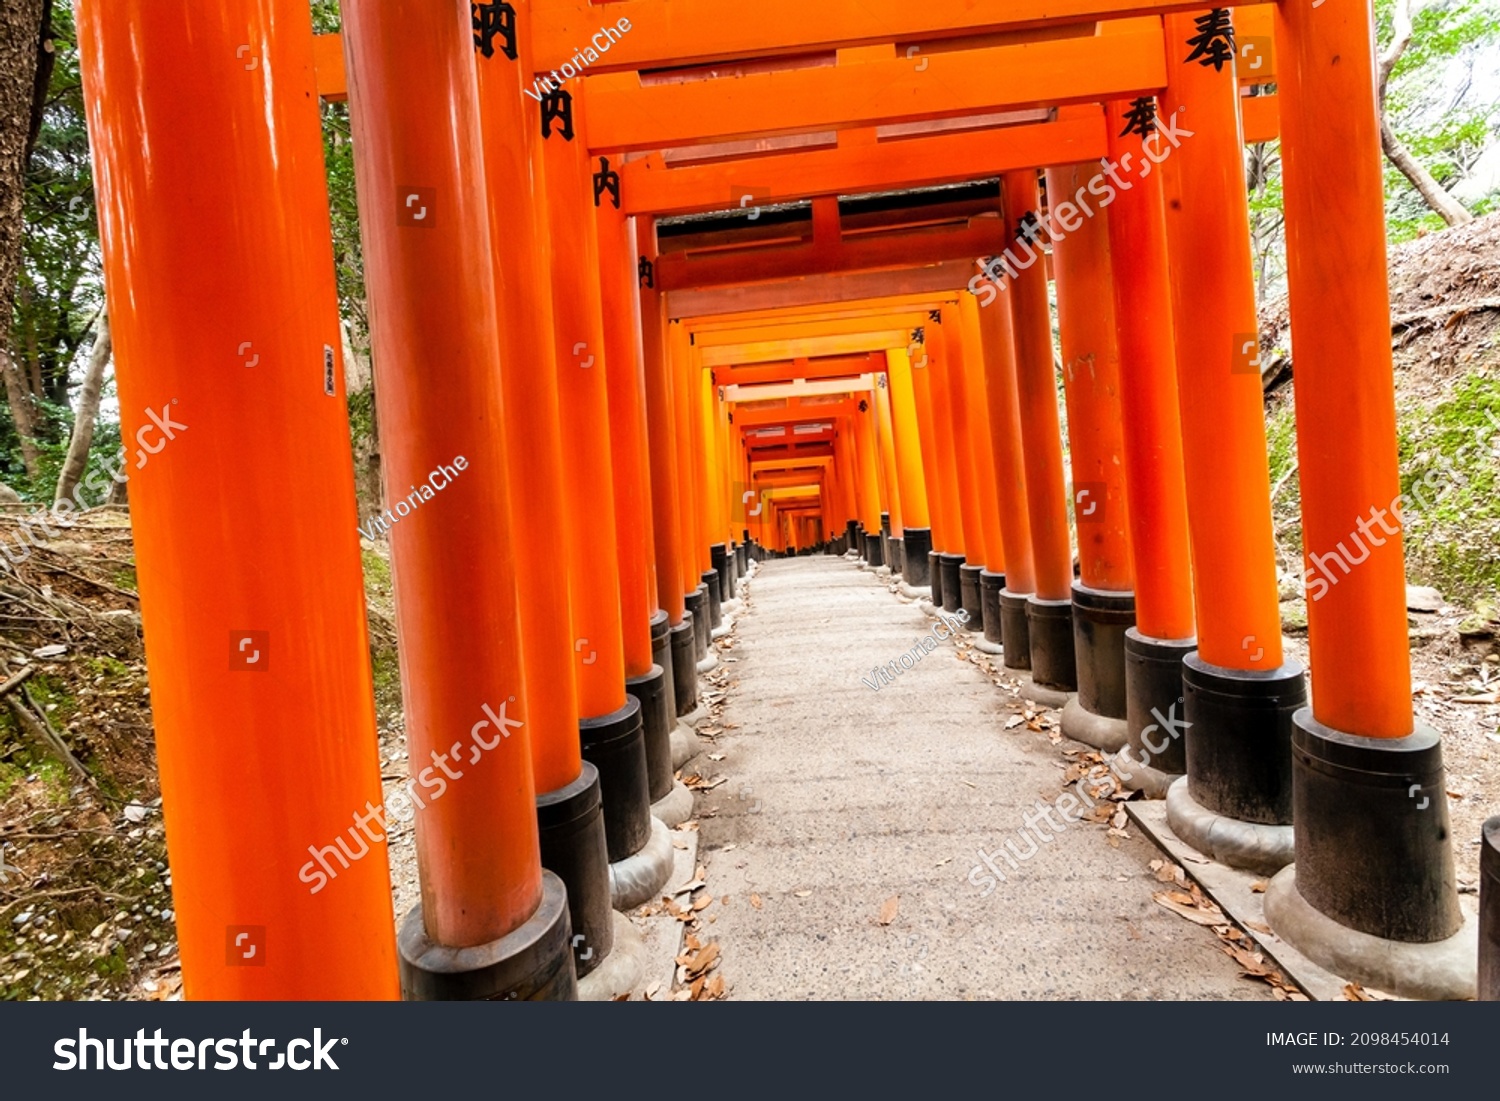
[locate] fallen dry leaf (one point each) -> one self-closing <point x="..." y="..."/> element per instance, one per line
<point x="888" y="909"/>
<point x="1258" y="887"/>
<point x="755" y="900"/>
<point x="1183" y="906"/>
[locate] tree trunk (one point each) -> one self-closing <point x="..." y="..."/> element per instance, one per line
<point x="1445" y="205"/>
<point x="88" y="412"/>
<point x="21" y="33"/>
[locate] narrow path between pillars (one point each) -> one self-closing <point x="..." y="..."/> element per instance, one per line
<point x="840" y="798"/>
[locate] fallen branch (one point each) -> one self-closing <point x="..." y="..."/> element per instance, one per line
<point x="42" y="731"/>
<point x="19" y="679"/>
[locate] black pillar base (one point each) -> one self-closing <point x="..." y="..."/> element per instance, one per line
<point x="742" y="552"/>
<point x="1238" y="738"/>
<point x="1153" y="686"/>
<point x="531" y="964"/>
<point x="571" y="826"/>
<point x="657" y="720"/>
<point x="1489" y="912"/>
<point x="916" y="547"/>
<point x="718" y="556"/>
<point x="874" y="550"/>
<point x="1016" y="629"/>
<point x="935" y="577"/>
<point x="851" y="535"/>
<point x="615" y="744"/>
<point x="990" y="587"/>
<point x="697" y="604"/>
<point x="1050" y="631"/>
<point x="953" y="595"/>
<point x="885" y="538"/>
<point x="969" y="597"/>
<point x="1100" y="620"/>
<point x="896" y="553"/>
<point x="684" y="641"/>
<point x="661" y="654"/>
<point x="732" y="561"/>
<point x="715" y="600"/>
<point x="1373" y="841"/>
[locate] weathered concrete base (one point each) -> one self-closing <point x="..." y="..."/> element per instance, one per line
<point x="1445" y="970"/>
<point x="1260" y="848"/>
<point x="1099" y="731"/>
<point x="1153" y="783"/>
<point x="710" y="663"/>
<point x="725" y="626"/>
<point x="685" y="742"/>
<point x="636" y="879"/>
<point x="621" y="970"/>
<point x="985" y="646"/>
<point x="675" y="807"/>
<point x="917" y="592"/>
<point x="1047" y="697"/>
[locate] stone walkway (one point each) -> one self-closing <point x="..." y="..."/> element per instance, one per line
<point x="840" y="798"/>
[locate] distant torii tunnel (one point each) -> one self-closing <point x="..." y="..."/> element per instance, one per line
<point x="655" y="293"/>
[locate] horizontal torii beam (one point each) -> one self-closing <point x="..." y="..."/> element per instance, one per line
<point x="680" y="32"/>
<point x="907" y="249"/>
<point x="622" y="115"/>
<point x="648" y="186"/>
<point x="939" y="279"/>
<point x="769" y="351"/>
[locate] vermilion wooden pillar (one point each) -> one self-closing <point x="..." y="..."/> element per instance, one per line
<point x="1103" y="605"/>
<point x="260" y="683"/>
<point x="1154" y="478"/>
<point x="666" y="494"/>
<point x="611" y="727"/>
<point x="571" y="826"/>
<point x="992" y="575"/>
<point x="869" y="481"/>
<point x="430" y="275"/>
<point x="889" y="480"/>
<point x="962" y="416"/>
<point x="1239" y="696"/>
<point x="996" y="328"/>
<point x="956" y="533"/>
<point x="932" y="478"/>
<point x="916" y="531"/>
<point x="1049" y="615"/>
<point x="1369" y="805"/>
<point x="687" y="399"/>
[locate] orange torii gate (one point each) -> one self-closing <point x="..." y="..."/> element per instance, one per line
<point x="492" y="923"/>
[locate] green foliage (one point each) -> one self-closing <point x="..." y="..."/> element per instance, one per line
<point x="1450" y="467"/>
<point x="1430" y="106"/>
<point x="59" y="292"/>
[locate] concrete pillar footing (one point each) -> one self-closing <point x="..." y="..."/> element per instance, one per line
<point x="1264" y="849"/>
<point x="621" y="971"/>
<point x="685" y="742"/>
<point x="1099" y="731"/>
<point x="1443" y="970"/>
<point x="1047" y="697"/>
<point x="675" y="807"/>
<point x="985" y="646"/>
<point x="637" y="878"/>
<point x="1153" y="783"/>
<point x="709" y="663"/>
<point x="912" y="592"/>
